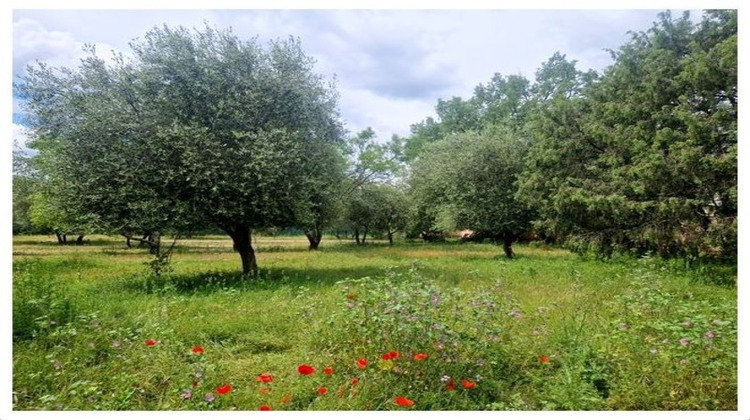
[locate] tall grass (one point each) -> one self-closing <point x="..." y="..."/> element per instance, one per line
<point x="545" y="331"/>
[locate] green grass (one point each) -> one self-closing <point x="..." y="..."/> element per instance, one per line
<point x="620" y="335"/>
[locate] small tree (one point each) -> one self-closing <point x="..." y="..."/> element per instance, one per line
<point x="468" y="181"/>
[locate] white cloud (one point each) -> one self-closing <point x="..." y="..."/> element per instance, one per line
<point x="21" y="137"/>
<point x="33" y="42"/>
<point x="391" y="65"/>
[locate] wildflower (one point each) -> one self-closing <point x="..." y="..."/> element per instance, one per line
<point x="687" y="324"/>
<point x="479" y="378"/>
<point x="186" y="394"/>
<point x="394" y="354"/>
<point x="265" y="408"/>
<point x="515" y="314"/>
<point x="197" y="350"/>
<point x="403" y="401"/>
<point x="224" y="389"/>
<point x="362" y="363"/>
<point x="355" y="381"/>
<point x="653" y="351"/>
<point x="265" y="378"/>
<point x="305" y="369"/>
<point x="264" y="391"/>
<point x="322" y="390"/>
<point x="286" y="399"/>
<point x="480" y="362"/>
<point x="349" y="305"/>
<point x="420" y="356"/>
<point x="623" y="326"/>
<point x="386" y="356"/>
<point x="445" y="378"/>
<point x="116" y="344"/>
<point x="435" y="300"/>
<point x="544" y="359"/>
<point x="710" y="335"/>
<point x="56" y="364"/>
<point x="468" y="384"/>
<point x="450" y="385"/>
<point x="195" y="384"/>
<point x="684" y="341"/>
<point x="351" y="297"/>
<point x="209" y="397"/>
<point x="198" y="375"/>
<point x="150" y="343"/>
<point x="328" y="370"/>
<point x="684" y="361"/>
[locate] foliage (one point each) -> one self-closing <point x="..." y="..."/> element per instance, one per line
<point x="41" y="303"/>
<point x="467" y="181"/>
<point x="197" y="128"/>
<point x="645" y="159"/>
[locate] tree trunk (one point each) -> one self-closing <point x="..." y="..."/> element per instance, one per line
<point x="508" y="238"/>
<point x="79" y="240"/>
<point x="154" y="243"/>
<point x="356" y="235"/>
<point x="390" y="238"/>
<point x="60" y="238"/>
<point x="314" y="236"/>
<point x="364" y="236"/>
<point x="242" y="237"/>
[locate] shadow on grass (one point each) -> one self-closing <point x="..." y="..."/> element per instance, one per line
<point x="216" y="281"/>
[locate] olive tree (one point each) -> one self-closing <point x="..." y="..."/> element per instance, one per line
<point x="195" y="128"/>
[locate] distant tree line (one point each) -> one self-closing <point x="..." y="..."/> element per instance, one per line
<point x="199" y="130"/>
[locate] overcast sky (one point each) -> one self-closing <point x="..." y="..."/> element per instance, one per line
<point x="391" y="66"/>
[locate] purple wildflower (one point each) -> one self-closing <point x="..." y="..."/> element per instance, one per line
<point x="209" y="397"/>
<point x="710" y="335"/>
<point x="186" y="394"/>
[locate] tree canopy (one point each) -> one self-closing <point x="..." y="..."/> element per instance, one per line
<point x="196" y="128"/>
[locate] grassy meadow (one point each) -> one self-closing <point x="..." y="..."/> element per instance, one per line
<point x="414" y="326"/>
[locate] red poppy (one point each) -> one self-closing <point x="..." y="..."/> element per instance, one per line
<point x="351" y="297"/>
<point x="394" y="354"/>
<point x="328" y="370"/>
<point x="286" y="399"/>
<point x="265" y="408"/>
<point x="305" y="369"/>
<point x="224" y="389"/>
<point x="362" y="363"/>
<point x="150" y="343"/>
<point x="385" y="356"/>
<point x="403" y="401"/>
<point x="355" y="381"/>
<point x="468" y="384"/>
<point x="322" y="390"/>
<point x="420" y="356"/>
<point x="197" y="350"/>
<point x="544" y="359"/>
<point x="450" y="385"/>
<point x="265" y="378"/>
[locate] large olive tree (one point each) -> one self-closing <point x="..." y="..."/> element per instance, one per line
<point x="194" y="128"/>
